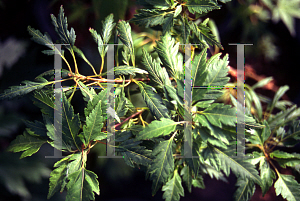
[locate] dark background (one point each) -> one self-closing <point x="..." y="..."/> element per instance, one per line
<point x="20" y="59"/>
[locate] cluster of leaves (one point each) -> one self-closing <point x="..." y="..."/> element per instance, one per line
<point x="158" y="145"/>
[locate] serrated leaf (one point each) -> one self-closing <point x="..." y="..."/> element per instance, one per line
<point x="82" y="185"/>
<point x="157" y="128"/>
<point x="39" y="38"/>
<point x="168" y="23"/>
<point x="61" y="27"/>
<point x="58" y="176"/>
<point x="94" y="124"/>
<point x="88" y="93"/>
<point x="186" y="174"/>
<point x="218" y="70"/>
<point x="245" y="191"/>
<point x="288" y="187"/>
<point x="173" y="188"/>
<point x="153" y="67"/>
<point x="153" y="101"/>
<point x="21" y="90"/>
<point x="204" y="35"/>
<point x="128" y="70"/>
<point x="107" y="28"/>
<point x="36" y="128"/>
<point x="27" y="143"/>
<point x="238" y="166"/>
<point x="218" y="114"/>
<point x="99" y="41"/>
<point x="70" y="140"/>
<point x="162" y="165"/>
<point x="133" y="152"/>
<point x="280" y="92"/>
<point x="198" y="182"/>
<point x="51" y="74"/>
<point x="101" y="96"/>
<point x="267" y="175"/>
<point x="124" y="31"/>
<point x="159" y="2"/>
<point x="167" y="50"/>
<point x="262" y="82"/>
<point x="199" y="66"/>
<point x="149" y="17"/>
<point x="45" y="102"/>
<point x="201" y="6"/>
<point x="210" y="154"/>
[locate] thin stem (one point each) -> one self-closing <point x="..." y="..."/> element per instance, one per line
<point x="75" y="63"/>
<point x="102" y="65"/>
<point x="130" y="117"/>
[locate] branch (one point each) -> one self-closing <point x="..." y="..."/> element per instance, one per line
<point x="130" y="117"/>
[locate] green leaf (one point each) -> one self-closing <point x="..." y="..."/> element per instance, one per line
<point x="27" y="143"/>
<point x="88" y="93"/>
<point x="287" y="11"/>
<point x="149" y="17"/>
<point x="153" y="101"/>
<point x="218" y="70"/>
<point x="266" y="132"/>
<point x="199" y="66"/>
<point x="262" y="82"/>
<point x="282" y="154"/>
<point x="267" y="175"/>
<point x="36" y="128"/>
<point x="21" y="90"/>
<point x="124" y="31"/>
<point x="61" y="27"/>
<point x="173" y="188"/>
<point x="245" y="191"/>
<point x="101" y="96"/>
<point x="154" y="68"/>
<point x="70" y="128"/>
<point x="238" y="166"/>
<point x="99" y="41"/>
<point x="288" y="187"/>
<point x="159" y="2"/>
<point x="157" y="128"/>
<point x="94" y="124"/>
<point x="201" y="6"/>
<point x="133" y="152"/>
<point x="195" y="162"/>
<point x="186" y="174"/>
<point x="45" y="102"/>
<point x="185" y="30"/>
<point x="108" y="26"/>
<point x="281" y="91"/>
<point x="177" y="10"/>
<point x="210" y="154"/>
<point x="39" y="38"/>
<point x="162" y="165"/>
<point x="283" y="117"/>
<point x="216" y="79"/>
<point x="218" y="114"/>
<point x="204" y="35"/>
<point x="82" y="185"/>
<point x="128" y="70"/>
<point x="198" y="182"/>
<point x="168" y="23"/>
<point x="167" y="50"/>
<point x="58" y="176"/>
